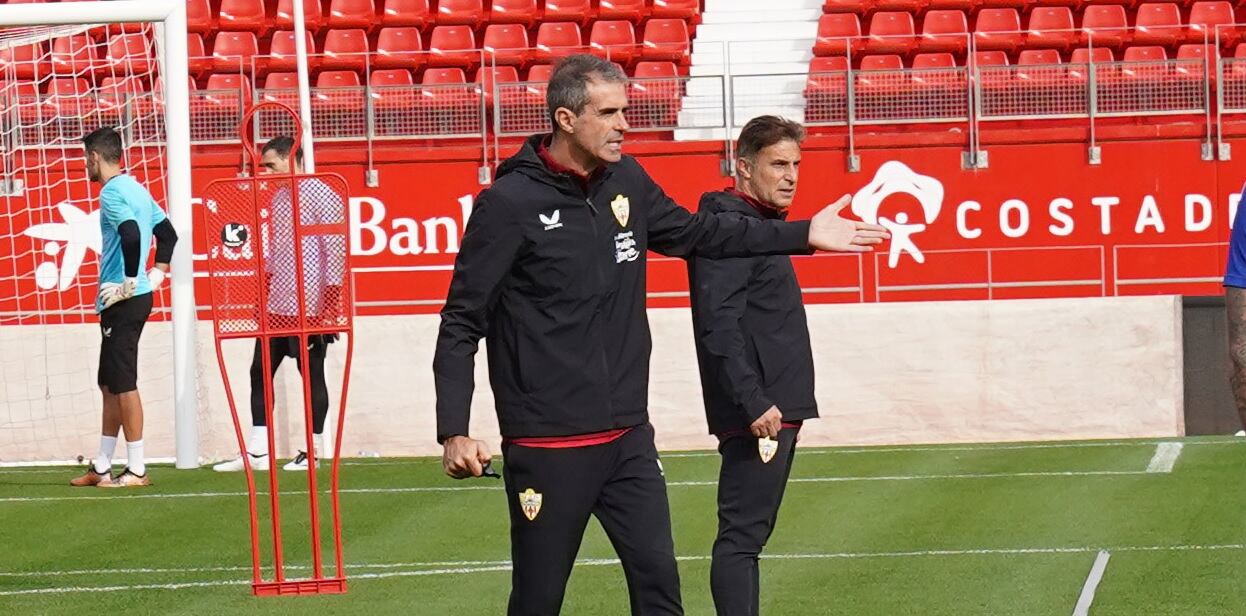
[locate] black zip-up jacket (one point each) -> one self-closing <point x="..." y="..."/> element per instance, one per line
<point x="554" y="278"/>
<point x="751" y="332"/>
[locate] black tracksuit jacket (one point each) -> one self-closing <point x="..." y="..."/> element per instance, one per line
<point x="751" y="332"/>
<point x="554" y="279"/>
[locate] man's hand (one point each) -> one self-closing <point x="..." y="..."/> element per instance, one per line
<point x="830" y="231"/>
<point x="768" y="425"/>
<point x="464" y="457"/>
<point x="157" y="274"/>
<point x="111" y="292"/>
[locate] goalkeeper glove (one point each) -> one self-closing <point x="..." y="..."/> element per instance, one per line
<point x="156" y="276"/>
<point x="112" y="292"/>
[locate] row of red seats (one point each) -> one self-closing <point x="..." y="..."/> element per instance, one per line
<point x="1027" y="57"/>
<point x="1048" y="27"/>
<point x="869" y="7"/>
<point x="399" y="47"/>
<point x="661" y="40"/>
<point x="250" y="15"/>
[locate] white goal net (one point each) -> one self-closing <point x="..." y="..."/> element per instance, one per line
<point x="58" y="83"/>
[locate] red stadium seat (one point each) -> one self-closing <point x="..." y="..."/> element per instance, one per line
<point x="934" y="61"/>
<point x="666" y="39"/>
<point x="1206" y="55"/>
<point x="1158" y="23"/>
<point x="882" y="62"/>
<point x="998" y="30"/>
<point x="629" y="10"/>
<point x="281" y="81"/>
<point x="313" y="16"/>
<point x="198" y="16"/>
<point x="280" y="88"/>
<point x="347" y="14"/>
<point x="870" y="83"/>
<point x="452" y="46"/>
<point x="988" y="58"/>
<point x="1032" y="57"/>
<point x="69" y="96"/>
<point x="391" y="88"/>
<point x="1104" y="26"/>
<point x="198" y="60"/>
<point x="1042" y="70"/>
<point x="891" y="33"/>
<point x="1051" y="27"/>
<point x="523" y="12"/>
<point x="838" y="34"/>
<point x="128" y="54"/>
<point x="339" y="94"/>
<point x="578" y="11"/>
<point x="115" y="92"/>
<point x="1082" y="57"/>
<point x="338" y="79"/>
<point x="345" y="50"/>
<point x="72" y="55"/>
<point x="936" y="71"/>
<point x="242" y="16"/>
<point x="234" y="51"/>
<point x="391" y="77"/>
<point x="540" y="73"/>
<point x="24" y="62"/>
<point x="654" y="94"/>
<point x="224" y="95"/>
<point x="556" y="40"/>
<point x="1209" y="20"/>
<point x="614" y="40"/>
<point x="1150" y="53"/>
<point x="989" y="64"/>
<point x="460" y="13"/>
<point x="826" y="90"/>
<point x="282" y="53"/>
<point x="944" y="30"/>
<point x="406" y="13"/>
<point x="676" y="9"/>
<point x="1153" y="64"/>
<point x="399" y="47"/>
<point x="487" y="78"/>
<point x="506" y="44"/>
<point x="439" y="89"/>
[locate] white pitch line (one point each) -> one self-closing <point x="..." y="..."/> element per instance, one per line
<point x="460" y="567"/>
<point x="1092" y="583"/>
<point x="1165" y="458"/>
<point x="11" y="467"/>
<point x="490" y="488"/>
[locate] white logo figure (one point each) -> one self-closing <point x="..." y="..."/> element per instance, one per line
<point x="551" y="221"/>
<point x="79" y="232"/>
<point x="107" y="332"/>
<point x="895" y="177"/>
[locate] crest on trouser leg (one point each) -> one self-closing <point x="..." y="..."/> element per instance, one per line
<point x="530" y="503"/>
<point x="767" y="447"/>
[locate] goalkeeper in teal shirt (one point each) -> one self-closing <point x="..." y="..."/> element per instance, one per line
<point x="129" y="219"/>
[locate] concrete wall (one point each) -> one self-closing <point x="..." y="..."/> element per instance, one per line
<point x="927" y="372"/>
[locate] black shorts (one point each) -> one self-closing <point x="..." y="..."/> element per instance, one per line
<point x="121" y="325"/>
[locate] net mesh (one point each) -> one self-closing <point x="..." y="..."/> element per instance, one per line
<point x="56" y="85"/>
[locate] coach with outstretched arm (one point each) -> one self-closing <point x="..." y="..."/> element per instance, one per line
<point x="552" y="273"/>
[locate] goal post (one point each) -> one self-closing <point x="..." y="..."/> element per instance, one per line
<point x="168" y="20"/>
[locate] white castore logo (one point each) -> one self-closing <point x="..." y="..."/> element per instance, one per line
<point x="107" y="331"/>
<point x="894" y="177"/>
<point x="70" y="240"/>
<point x="551" y="221"/>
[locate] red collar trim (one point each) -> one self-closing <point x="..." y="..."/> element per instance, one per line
<point x="763" y="208"/>
<point x="542" y="151"/>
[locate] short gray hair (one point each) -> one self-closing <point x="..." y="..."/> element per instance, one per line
<point x="568" y="86"/>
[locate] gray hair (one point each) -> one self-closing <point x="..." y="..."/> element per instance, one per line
<point x="568" y="86"/>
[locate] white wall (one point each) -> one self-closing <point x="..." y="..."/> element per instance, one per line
<point x="925" y="372"/>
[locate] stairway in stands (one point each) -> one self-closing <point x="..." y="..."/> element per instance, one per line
<point x="768" y="37"/>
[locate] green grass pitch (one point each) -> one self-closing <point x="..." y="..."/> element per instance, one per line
<point x="995" y="530"/>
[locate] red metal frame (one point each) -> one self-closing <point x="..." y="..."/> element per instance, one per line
<point x="263" y="328"/>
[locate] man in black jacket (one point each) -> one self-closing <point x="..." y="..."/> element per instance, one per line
<point x="756" y="362"/>
<point x="552" y="271"/>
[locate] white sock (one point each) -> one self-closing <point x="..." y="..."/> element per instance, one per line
<point x="134" y="453"/>
<point x="103" y="461"/>
<point x="318" y="442"/>
<point x="258" y="445"/>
